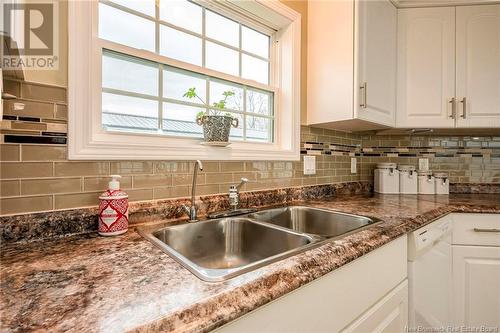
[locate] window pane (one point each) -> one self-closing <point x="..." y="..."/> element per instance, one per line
<point x="222" y="59"/>
<point x="129" y="74"/>
<point x="124" y="28"/>
<point x="129" y="113"/>
<point x="236" y="133"/>
<point x="222" y="29"/>
<point x="254" y="42"/>
<point x="217" y="90"/>
<point x="258" y="129"/>
<point x="181" y="13"/>
<point x="259" y="102"/>
<point x="180" y="46"/>
<point x="144" y="6"/>
<point x="181" y="120"/>
<point x="255" y="69"/>
<point x="176" y="83"/>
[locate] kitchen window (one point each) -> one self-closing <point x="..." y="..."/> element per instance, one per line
<point x="144" y="56"/>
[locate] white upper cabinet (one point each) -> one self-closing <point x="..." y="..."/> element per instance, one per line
<point x="376" y="61"/>
<point x="449" y="67"/>
<point x="426" y="67"/>
<point x="478" y="66"/>
<point x="351" y="80"/>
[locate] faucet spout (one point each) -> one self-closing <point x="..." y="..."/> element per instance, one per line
<point x="197" y="165"/>
<point x="192" y="210"/>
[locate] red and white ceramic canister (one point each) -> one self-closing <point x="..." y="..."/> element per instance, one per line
<point x="113" y="209"/>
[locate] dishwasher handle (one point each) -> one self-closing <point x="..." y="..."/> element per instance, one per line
<point x="486" y="230"/>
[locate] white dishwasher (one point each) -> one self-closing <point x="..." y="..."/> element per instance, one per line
<point x="429" y="275"/>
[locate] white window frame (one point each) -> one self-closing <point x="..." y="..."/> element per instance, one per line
<point x="87" y="140"/>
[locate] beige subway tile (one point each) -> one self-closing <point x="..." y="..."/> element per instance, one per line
<point x="208" y="189"/>
<point x="43" y="93"/>
<point x="152" y="180"/>
<point x="140" y="194"/>
<point x="20" y="132"/>
<point x="131" y="167"/>
<point x="25" y="204"/>
<point x="186" y="179"/>
<point x="57" y="127"/>
<point x="232" y="166"/>
<point x="25" y="170"/>
<point x="252" y="176"/>
<point x="5" y="124"/>
<point x="309" y="181"/>
<point x="172" y="167"/>
<point x="218" y="178"/>
<point x="31" y="109"/>
<point x="209" y="166"/>
<point x="50" y="186"/>
<point x="61" y="111"/>
<point x="171" y="192"/>
<point x="63" y="169"/>
<point x="101" y="183"/>
<point x="43" y="153"/>
<point x="9" y="152"/>
<point x="28" y="125"/>
<point x="12" y="87"/>
<point x="76" y="200"/>
<point x="9" y="188"/>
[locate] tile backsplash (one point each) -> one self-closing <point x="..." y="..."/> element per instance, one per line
<point x="36" y="175"/>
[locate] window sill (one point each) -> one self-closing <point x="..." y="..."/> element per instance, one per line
<point x="120" y="146"/>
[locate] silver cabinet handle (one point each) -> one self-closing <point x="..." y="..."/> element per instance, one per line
<point x="486" y="230"/>
<point x="362" y="89"/>
<point x="453" y="103"/>
<point x="464" y="107"/>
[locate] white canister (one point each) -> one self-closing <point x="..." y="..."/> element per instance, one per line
<point x="425" y="182"/>
<point x="386" y="178"/>
<point x="408" y="182"/>
<point x="442" y="183"/>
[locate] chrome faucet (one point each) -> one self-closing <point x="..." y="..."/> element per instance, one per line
<point x="234" y="201"/>
<point x="234" y="194"/>
<point x="191" y="210"/>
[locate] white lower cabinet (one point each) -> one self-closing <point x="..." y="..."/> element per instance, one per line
<point x="476" y="270"/>
<point x="388" y="315"/>
<point x="476" y="287"/>
<point x="369" y="294"/>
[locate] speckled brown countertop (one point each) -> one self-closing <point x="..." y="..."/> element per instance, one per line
<point x="93" y="284"/>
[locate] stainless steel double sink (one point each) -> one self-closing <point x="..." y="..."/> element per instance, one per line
<point x="219" y="249"/>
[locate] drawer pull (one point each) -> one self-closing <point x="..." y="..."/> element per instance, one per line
<point x="486" y="230"/>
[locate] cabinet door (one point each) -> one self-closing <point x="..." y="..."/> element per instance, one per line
<point x="478" y="66"/>
<point x="389" y="315"/>
<point x="426" y="67"/>
<point x="331" y="302"/>
<point x="476" y="286"/>
<point x="376" y="64"/>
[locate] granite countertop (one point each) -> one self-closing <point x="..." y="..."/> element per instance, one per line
<point x="94" y="284"/>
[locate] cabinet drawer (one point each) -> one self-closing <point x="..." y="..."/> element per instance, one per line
<point x="476" y="229"/>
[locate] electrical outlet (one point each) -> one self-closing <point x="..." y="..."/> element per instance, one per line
<point x="309" y="165"/>
<point x="423" y="164"/>
<point x="353" y="165"/>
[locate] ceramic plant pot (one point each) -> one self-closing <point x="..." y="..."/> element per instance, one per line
<point x="216" y="128"/>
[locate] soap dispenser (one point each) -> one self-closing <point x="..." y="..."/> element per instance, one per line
<point x="113" y="209"/>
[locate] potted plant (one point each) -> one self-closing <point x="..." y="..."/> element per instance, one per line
<point x="216" y="123"/>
